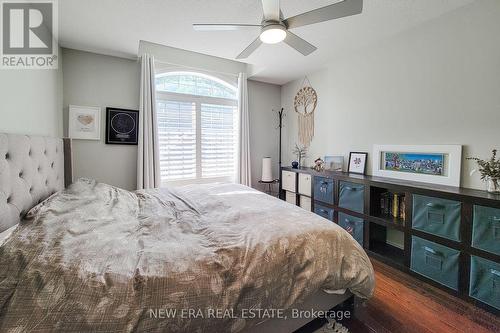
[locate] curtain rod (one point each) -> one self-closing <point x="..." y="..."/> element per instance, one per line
<point x="195" y="68"/>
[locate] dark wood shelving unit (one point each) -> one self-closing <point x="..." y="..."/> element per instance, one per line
<point x="378" y="225"/>
<point x="388" y="221"/>
<point x="393" y="253"/>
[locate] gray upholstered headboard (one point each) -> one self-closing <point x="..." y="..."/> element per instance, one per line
<point x="31" y="169"/>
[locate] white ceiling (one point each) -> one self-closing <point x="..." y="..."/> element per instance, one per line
<point x="116" y="26"/>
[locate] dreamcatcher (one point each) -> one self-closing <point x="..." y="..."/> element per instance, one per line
<point x="305" y="103"/>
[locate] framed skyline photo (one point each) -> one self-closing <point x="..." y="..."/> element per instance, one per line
<point x="435" y="164"/>
<point x="357" y="162"/>
<point x="422" y="163"/>
<point x="122" y="126"/>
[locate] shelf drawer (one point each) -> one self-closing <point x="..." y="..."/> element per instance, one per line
<point x="305" y="184"/>
<point x="352" y="196"/>
<point x="305" y="203"/>
<point x="437" y="216"/>
<point x="324" y="189"/>
<point x="486" y="229"/>
<point x="288" y="181"/>
<point x="485" y="281"/>
<point x="353" y="225"/>
<point x="323" y="211"/>
<point x="291" y="197"/>
<point x="437" y="262"/>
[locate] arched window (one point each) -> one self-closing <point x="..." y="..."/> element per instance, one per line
<point x="197" y="126"/>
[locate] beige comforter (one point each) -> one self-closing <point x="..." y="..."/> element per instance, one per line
<point x="98" y="258"/>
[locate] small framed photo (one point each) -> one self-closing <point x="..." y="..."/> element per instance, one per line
<point x="334" y="163"/>
<point x="357" y="162"/>
<point x="84" y="122"/>
<point x="122" y="126"/>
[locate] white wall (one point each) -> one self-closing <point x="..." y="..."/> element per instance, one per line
<point x="435" y="84"/>
<point x="264" y="135"/>
<point x="97" y="80"/>
<point x="31" y="101"/>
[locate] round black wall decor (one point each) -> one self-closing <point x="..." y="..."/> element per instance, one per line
<point x="122" y="126"/>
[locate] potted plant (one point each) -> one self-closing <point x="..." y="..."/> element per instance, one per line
<point x="490" y="171"/>
<point x="301" y="152"/>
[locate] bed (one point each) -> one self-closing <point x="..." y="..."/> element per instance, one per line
<point x="198" y="258"/>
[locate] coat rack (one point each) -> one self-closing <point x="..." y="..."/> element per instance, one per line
<point x="281" y="113"/>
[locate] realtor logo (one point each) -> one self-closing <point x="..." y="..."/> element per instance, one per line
<point x="29" y="34"/>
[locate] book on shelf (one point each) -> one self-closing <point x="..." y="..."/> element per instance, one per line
<point x="393" y="204"/>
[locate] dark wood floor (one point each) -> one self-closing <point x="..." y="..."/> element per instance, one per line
<point x="405" y="304"/>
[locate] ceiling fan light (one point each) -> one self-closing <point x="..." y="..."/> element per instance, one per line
<point x="273" y="34"/>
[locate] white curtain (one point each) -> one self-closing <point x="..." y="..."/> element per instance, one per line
<point x="148" y="161"/>
<point x="244" y="171"/>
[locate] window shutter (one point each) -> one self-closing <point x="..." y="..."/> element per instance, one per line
<point x="177" y="136"/>
<point x="218" y="140"/>
<point x="198" y="128"/>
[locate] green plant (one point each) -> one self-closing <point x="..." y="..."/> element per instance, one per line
<point x="300" y="152"/>
<point x="489" y="168"/>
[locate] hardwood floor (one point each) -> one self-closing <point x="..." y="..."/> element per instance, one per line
<point x="405" y="304"/>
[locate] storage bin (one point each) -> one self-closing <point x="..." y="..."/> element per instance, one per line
<point x="305" y="184"/>
<point x="435" y="261"/>
<point x="353" y="225"/>
<point x="351" y="196"/>
<point x="324" y="189"/>
<point x="486" y="229"/>
<point x="288" y="181"/>
<point x="324" y="211"/>
<point x="437" y="216"/>
<point x="485" y="281"/>
<point x="305" y="203"/>
<point x="291" y="197"/>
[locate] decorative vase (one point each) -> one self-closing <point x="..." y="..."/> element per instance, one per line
<point x="295" y="164"/>
<point x="493" y="185"/>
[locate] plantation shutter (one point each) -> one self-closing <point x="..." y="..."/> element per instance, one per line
<point x="177" y="137"/>
<point x="198" y="129"/>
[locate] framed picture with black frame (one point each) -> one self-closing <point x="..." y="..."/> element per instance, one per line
<point x="357" y="162"/>
<point x="122" y="126"/>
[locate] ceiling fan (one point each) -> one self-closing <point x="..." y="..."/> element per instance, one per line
<point x="275" y="29"/>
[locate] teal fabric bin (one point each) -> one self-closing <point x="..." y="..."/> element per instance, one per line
<point x="485" y="281"/>
<point x="352" y="196"/>
<point x="353" y="225"/>
<point x="437" y="262"/>
<point x="437" y="216"/>
<point x="324" y="189"/>
<point x="486" y="229"/>
<point x="324" y="211"/>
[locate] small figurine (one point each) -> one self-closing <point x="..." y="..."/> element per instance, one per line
<point x="319" y="164"/>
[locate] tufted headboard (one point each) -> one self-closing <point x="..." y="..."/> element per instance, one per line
<point x="31" y="169"/>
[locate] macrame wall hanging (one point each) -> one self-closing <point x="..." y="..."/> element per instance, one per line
<point x="305" y="103"/>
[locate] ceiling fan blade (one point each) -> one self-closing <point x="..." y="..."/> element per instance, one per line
<point x="327" y="13"/>
<point x="222" y="27"/>
<point x="271" y="9"/>
<point x="250" y="49"/>
<point x="299" y="44"/>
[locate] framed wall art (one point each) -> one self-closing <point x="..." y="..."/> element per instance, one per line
<point x="84" y="122"/>
<point x="357" y="162"/>
<point x="334" y="163"/>
<point x="436" y="164"/>
<point x="122" y="126"/>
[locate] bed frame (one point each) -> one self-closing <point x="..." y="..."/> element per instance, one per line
<point x="32" y="168"/>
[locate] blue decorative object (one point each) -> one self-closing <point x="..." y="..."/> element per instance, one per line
<point x="295" y="164"/>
